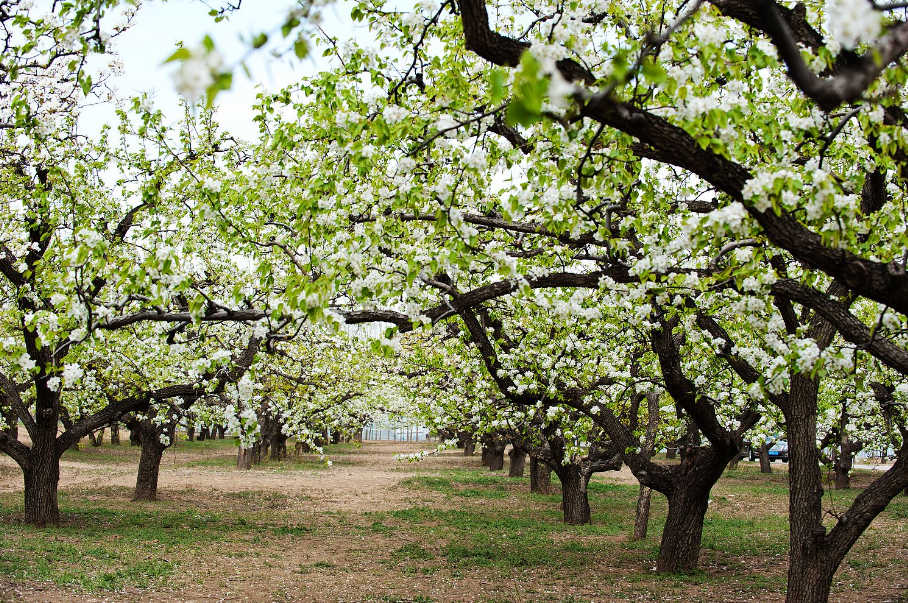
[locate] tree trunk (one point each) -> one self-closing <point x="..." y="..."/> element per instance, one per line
<point x="244" y="458"/>
<point x="115" y="434"/>
<point x="540" y="477"/>
<point x="680" y="547"/>
<point x="41" y="477"/>
<point x="518" y="462"/>
<point x="96" y="437"/>
<point x="809" y="579"/>
<point x="486" y="454"/>
<point x="844" y="462"/>
<point x="733" y="464"/>
<point x="203" y="434"/>
<point x="641" y="519"/>
<point x="149" y="462"/>
<point x="220" y="431"/>
<point x="496" y="455"/>
<point x="574" y="499"/>
<point x="765" y="463"/>
<point x="671" y="453"/>
<point x="278" y="446"/>
<point x="469" y="444"/>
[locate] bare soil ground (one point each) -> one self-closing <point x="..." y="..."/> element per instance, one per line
<point x="346" y="534"/>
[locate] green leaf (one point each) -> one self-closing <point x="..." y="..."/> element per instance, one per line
<point x="260" y="40"/>
<point x="180" y="55"/>
<point x="301" y="48"/>
<point x="498" y="79"/>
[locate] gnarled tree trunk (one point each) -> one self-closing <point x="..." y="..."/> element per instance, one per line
<point x="574" y="499"/>
<point x="540" y="477"/>
<point x="115" y="433"/>
<point x="41" y="475"/>
<point x="153" y="448"/>
<point x="641" y="518"/>
<point x="518" y="461"/>
<point x="469" y="444"/>
<point x="496" y="454"/>
<point x="683" y="531"/>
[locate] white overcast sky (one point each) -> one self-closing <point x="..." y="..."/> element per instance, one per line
<point x="160" y="26"/>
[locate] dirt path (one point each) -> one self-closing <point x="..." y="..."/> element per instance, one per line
<point x="332" y="565"/>
<point x="365" y="481"/>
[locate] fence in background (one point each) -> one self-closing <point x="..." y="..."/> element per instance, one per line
<point x="407" y="433"/>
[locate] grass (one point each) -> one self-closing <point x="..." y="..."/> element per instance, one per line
<point x="462" y="524"/>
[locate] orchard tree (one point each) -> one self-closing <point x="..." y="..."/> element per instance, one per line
<point x="645" y="139"/>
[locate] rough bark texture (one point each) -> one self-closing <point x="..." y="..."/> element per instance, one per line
<point x="844" y="461"/>
<point x="244" y="458"/>
<point x="149" y="462"/>
<point x="41" y="477"/>
<point x="765" y="464"/>
<point x="641" y="519"/>
<point x="115" y="433"/>
<point x="496" y="454"/>
<point x="150" y="434"/>
<point x="574" y="499"/>
<point x="809" y="573"/>
<point x="518" y="462"/>
<point x="540" y="477"/>
<point x="469" y="444"/>
<point x="41" y="471"/>
<point x="190" y="434"/>
<point x="687" y="505"/>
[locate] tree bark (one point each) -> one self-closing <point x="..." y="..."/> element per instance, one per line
<point x="469" y="444"/>
<point x="96" y="437"/>
<point x="41" y="471"/>
<point x="190" y="434"/>
<point x="574" y="498"/>
<point x="540" y="477"/>
<point x="809" y="574"/>
<point x="733" y="463"/>
<point x="204" y="434"/>
<point x="641" y="519"/>
<point x="680" y="547"/>
<point x="115" y="433"/>
<point x="496" y="454"/>
<point x="220" y="429"/>
<point x="765" y="463"/>
<point x="671" y="453"/>
<point x="244" y="458"/>
<point x="41" y="477"/>
<point x="518" y="461"/>
<point x="149" y="462"/>
<point x="844" y="462"/>
<point x="150" y="434"/>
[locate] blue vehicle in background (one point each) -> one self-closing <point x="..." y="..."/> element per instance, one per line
<point x="778" y="451"/>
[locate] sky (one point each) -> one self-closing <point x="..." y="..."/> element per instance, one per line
<point x="160" y="26"/>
